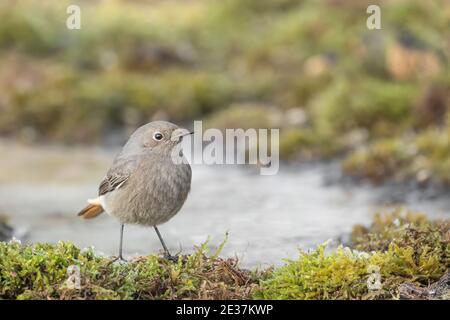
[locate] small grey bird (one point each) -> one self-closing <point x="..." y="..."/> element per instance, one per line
<point x="145" y="186"/>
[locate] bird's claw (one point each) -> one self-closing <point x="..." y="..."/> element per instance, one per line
<point x="119" y="260"/>
<point x="171" y="258"/>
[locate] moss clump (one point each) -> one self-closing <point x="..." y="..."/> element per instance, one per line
<point x="407" y="252"/>
<point x="40" y="272"/>
<point x="304" y="143"/>
<point x="404" y="228"/>
<point x="422" y="157"/>
<point x="400" y="248"/>
<point x="245" y="116"/>
<point x="380" y="161"/>
<point x="380" y="106"/>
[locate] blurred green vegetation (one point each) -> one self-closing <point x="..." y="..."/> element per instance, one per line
<point x="311" y="68"/>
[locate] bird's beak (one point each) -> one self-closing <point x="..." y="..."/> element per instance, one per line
<point x="178" y="134"/>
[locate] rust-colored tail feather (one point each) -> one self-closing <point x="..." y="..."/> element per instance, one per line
<point x="91" y="211"/>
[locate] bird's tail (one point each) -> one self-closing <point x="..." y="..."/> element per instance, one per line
<point x="91" y="211"/>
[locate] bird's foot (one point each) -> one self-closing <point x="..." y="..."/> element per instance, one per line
<point x="171" y="258"/>
<point x="119" y="260"/>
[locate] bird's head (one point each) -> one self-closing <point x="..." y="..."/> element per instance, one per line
<point x="157" y="135"/>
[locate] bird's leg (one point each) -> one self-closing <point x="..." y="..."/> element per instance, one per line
<point x="120" y="243"/>
<point x="168" y="256"/>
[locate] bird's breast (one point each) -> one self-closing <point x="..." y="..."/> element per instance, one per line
<point x="153" y="194"/>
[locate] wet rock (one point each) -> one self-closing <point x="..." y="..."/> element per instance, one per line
<point x="438" y="290"/>
<point x="6" y="231"/>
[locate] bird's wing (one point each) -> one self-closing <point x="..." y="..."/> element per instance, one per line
<point x="117" y="176"/>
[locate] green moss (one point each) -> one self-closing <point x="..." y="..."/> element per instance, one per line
<point x="305" y="143"/>
<point x="402" y="248"/>
<point x="364" y="103"/>
<point x="381" y="160"/>
<point x="291" y="141"/>
<point x="244" y="116"/>
<point x="344" y="275"/>
<point x="406" y="229"/>
<point x="422" y="157"/>
<point x="40" y="272"/>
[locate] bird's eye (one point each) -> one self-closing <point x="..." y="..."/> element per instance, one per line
<point x="158" y="136"/>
